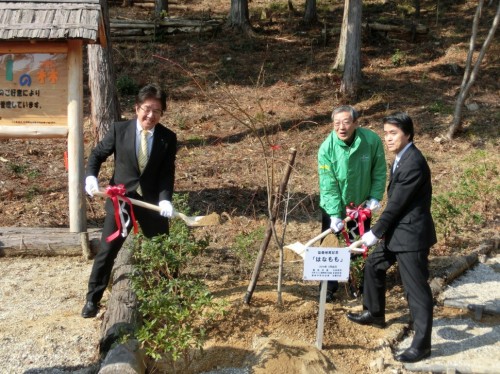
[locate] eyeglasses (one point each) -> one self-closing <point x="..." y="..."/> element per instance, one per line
<point x="147" y="110"/>
<point x="345" y="122"/>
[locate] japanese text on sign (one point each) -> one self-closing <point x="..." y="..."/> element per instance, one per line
<point x="33" y="89"/>
<point x="326" y="264"/>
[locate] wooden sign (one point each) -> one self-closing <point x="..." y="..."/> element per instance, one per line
<point x="33" y="89"/>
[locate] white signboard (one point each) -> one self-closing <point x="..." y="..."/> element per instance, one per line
<point x="326" y="264"/>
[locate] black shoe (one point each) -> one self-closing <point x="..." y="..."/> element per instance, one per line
<point x="330" y="297"/>
<point x="413" y="355"/>
<point x="366" y="318"/>
<point x="90" y="309"/>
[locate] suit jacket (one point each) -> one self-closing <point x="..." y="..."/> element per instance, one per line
<point x="406" y="221"/>
<point x="157" y="179"/>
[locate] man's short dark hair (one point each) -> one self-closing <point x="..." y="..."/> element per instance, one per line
<point x="152" y="91"/>
<point x="402" y="121"/>
<point x="346" y="108"/>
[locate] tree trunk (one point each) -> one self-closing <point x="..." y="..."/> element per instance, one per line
<point x="161" y="6"/>
<point x="105" y="107"/>
<point x="470" y="77"/>
<point x="341" y="51"/>
<point x="121" y="318"/>
<point x="351" y="79"/>
<point x="417" y="8"/>
<point x="310" y="14"/>
<point x="239" y="16"/>
<point x="35" y="241"/>
<point x="270" y="227"/>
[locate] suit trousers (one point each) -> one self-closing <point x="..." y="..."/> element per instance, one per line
<point x="414" y="271"/>
<point x="151" y="223"/>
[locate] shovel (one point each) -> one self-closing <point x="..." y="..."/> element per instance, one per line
<point x="210" y="220"/>
<point x="300" y="248"/>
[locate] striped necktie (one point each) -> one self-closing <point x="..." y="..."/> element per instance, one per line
<point x="142" y="157"/>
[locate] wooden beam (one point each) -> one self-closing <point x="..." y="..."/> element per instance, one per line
<point x="58" y="1"/>
<point x="38" y="132"/>
<point x="33" y="47"/>
<point x="76" y="169"/>
<point x="44" y="241"/>
<point x="121" y="318"/>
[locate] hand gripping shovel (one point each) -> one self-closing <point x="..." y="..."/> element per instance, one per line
<point x="210" y="220"/>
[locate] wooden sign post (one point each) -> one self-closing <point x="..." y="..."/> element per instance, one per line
<point x="41" y="79"/>
<point x="325" y="264"/>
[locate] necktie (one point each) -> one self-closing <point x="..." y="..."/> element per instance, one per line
<point x="395" y="165"/>
<point x="142" y="157"/>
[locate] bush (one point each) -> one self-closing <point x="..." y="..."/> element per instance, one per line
<point x="463" y="204"/>
<point x="126" y="86"/>
<point x="175" y="307"/>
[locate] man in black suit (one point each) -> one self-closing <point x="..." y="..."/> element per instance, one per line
<point x="407" y="232"/>
<point x="144" y="162"/>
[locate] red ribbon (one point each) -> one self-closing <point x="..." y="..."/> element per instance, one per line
<point x="113" y="193"/>
<point x="360" y="214"/>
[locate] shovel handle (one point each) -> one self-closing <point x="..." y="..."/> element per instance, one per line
<point x="354" y="247"/>
<point x="316" y="238"/>
<point x="133" y="201"/>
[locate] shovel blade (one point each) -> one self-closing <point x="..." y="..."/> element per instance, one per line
<point x="198" y="221"/>
<point x="297" y="247"/>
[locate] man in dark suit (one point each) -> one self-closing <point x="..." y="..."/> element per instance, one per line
<point x="407" y="231"/>
<point x="144" y="162"/>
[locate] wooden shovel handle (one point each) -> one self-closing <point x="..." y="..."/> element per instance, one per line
<point x="133" y="201"/>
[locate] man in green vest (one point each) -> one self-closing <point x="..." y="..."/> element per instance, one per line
<point x="352" y="173"/>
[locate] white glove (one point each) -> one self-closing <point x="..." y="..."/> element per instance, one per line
<point x="91" y="185"/>
<point x="336" y="224"/>
<point x="373" y="205"/>
<point x="369" y="239"/>
<point x="166" y="208"/>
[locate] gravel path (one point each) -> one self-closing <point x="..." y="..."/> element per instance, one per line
<point x="467" y="345"/>
<point x="41" y="330"/>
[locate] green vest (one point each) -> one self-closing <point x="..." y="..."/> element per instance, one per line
<point x="350" y="174"/>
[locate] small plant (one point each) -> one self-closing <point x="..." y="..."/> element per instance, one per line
<point x="17" y="169"/>
<point x="245" y="248"/>
<point x="278" y="7"/>
<point x="398" y="58"/>
<point x="463" y="203"/>
<point x="33" y="174"/>
<point x="175" y="307"/>
<point x="440" y="107"/>
<point x="126" y="86"/>
<point x="180" y="121"/>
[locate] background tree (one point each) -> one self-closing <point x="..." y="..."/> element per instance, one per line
<point x="104" y="104"/>
<point x="161" y="7"/>
<point x="239" y="16"/>
<point x="310" y="14"/>
<point x="348" y="59"/>
<point x="471" y="75"/>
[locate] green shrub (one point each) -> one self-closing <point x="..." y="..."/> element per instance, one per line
<point x="467" y="202"/>
<point x="174" y="306"/>
<point x="126" y="86"/>
<point x="245" y="248"/>
<point x="398" y="58"/>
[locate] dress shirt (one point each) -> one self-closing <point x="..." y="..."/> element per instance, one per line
<point x="399" y="155"/>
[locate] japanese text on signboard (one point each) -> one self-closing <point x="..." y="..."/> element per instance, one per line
<point x="33" y="89"/>
<point x="326" y="264"/>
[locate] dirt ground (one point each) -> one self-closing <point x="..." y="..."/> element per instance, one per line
<point x="280" y="82"/>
